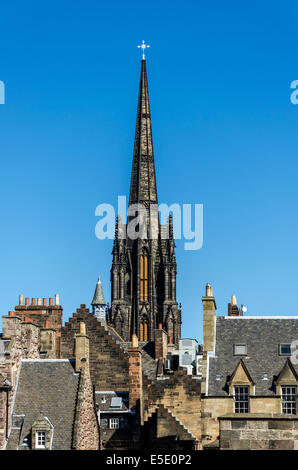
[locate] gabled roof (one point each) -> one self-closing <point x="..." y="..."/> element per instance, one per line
<point x="288" y="366"/>
<point x="48" y="388"/>
<point x="241" y="364"/>
<point x="262" y="337"/>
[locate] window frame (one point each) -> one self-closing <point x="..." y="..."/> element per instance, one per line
<point x="241" y="402"/>
<point x="44" y="438"/>
<point x="239" y="345"/>
<point x="292" y="403"/>
<point x="284" y="354"/>
<point x="114" y="423"/>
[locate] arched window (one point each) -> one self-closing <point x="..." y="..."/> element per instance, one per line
<point x="144" y="329"/>
<point x="144" y="276"/>
<point x="171" y="328"/>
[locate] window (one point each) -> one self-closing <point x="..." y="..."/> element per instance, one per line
<point x="241" y="397"/>
<point x="289" y="400"/>
<point x="144" y="329"/>
<point x="284" y="349"/>
<point x="40" y="440"/>
<point x="116" y="402"/>
<point x="114" y="423"/>
<point x="240" y="350"/>
<point x="144" y="276"/>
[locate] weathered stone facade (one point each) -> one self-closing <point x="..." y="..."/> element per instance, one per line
<point x="143" y="274"/>
<point x="108" y="361"/>
<point x="259" y="432"/>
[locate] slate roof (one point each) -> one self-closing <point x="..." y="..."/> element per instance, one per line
<point x="48" y="386"/>
<point x="98" y="298"/>
<point x="106" y="405"/>
<point x="262" y="337"/>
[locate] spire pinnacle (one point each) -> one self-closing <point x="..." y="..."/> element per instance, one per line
<point x="143" y="46"/>
<point x="143" y="179"/>
<point x="98" y="298"/>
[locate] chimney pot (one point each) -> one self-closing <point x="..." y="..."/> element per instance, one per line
<point x="44" y="301"/>
<point x="21" y="299"/>
<point x="82" y="328"/>
<point x="160" y="326"/>
<point x="209" y="290"/>
<point x="135" y="342"/>
<point x="170" y="339"/>
<point x="27" y="301"/>
<point x="234" y="300"/>
<point x="51" y="301"/>
<point x="33" y="301"/>
<point x="57" y="299"/>
<point x="39" y="301"/>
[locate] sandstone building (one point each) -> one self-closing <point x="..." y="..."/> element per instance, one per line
<point x="121" y="377"/>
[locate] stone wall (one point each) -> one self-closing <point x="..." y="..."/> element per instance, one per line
<point x="212" y="407"/>
<point x="181" y="395"/>
<point x="108" y="361"/>
<point x="86" y="430"/>
<point x="259" y="432"/>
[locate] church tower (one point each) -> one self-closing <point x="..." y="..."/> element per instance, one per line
<point x="143" y="274"/>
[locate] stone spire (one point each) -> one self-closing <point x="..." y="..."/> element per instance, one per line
<point x="98" y="303"/>
<point x="98" y="298"/>
<point x="143" y="179"/>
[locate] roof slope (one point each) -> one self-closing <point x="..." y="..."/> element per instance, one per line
<point x="49" y="387"/>
<point x="262" y="337"/>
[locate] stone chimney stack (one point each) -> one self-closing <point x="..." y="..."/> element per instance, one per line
<point x="135" y="378"/>
<point x="48" y="342"/>
<point x="11" y="326"/>
<point x="233" y="310"/>
<point x="161" y="343"/>
<point x="209" y="321"/>
<point x="209" y="314"/>
<point x="81" y="349"/>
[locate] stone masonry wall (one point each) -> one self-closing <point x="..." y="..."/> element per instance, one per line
<point x="108" y="361"/>
<point x="86" y="431"/>
<point x="259" y="433"/>
<point x="181" y="395"/>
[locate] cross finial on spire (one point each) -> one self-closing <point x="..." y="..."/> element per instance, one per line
<point x="143" y="46"/>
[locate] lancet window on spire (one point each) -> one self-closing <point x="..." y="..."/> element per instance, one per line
<point x="144" y="275"/>
<point x="144" y="329"/>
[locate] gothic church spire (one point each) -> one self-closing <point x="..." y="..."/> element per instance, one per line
<point x="143" y="179"/>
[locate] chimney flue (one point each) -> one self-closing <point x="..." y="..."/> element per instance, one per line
<point x="51" y="301"/>
<point x="57" y="299"/>
<point x="33" y="301"/>
<point x="82" y="328"/>
<point x="39" y="301"/>
<point x="21" y="299"/>
<point x="209" y="290"/>
<point x="44" y="301"/>
<point x="135" y="342"/>
<point x="27" y="301"/>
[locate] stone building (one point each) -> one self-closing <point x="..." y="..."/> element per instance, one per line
<point x="122" y="378"/>
<point x="143" y="274"/>
<point x="249" y="383"/>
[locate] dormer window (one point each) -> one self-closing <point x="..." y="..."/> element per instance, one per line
<point x="285" y="349"/>
<point x="40" y="442"/>
<point x="241" y="399"/>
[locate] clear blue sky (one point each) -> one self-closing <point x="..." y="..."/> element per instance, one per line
<point x="225" y="135"/>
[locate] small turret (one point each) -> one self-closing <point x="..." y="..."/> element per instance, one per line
<point x="98" y="303"/>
